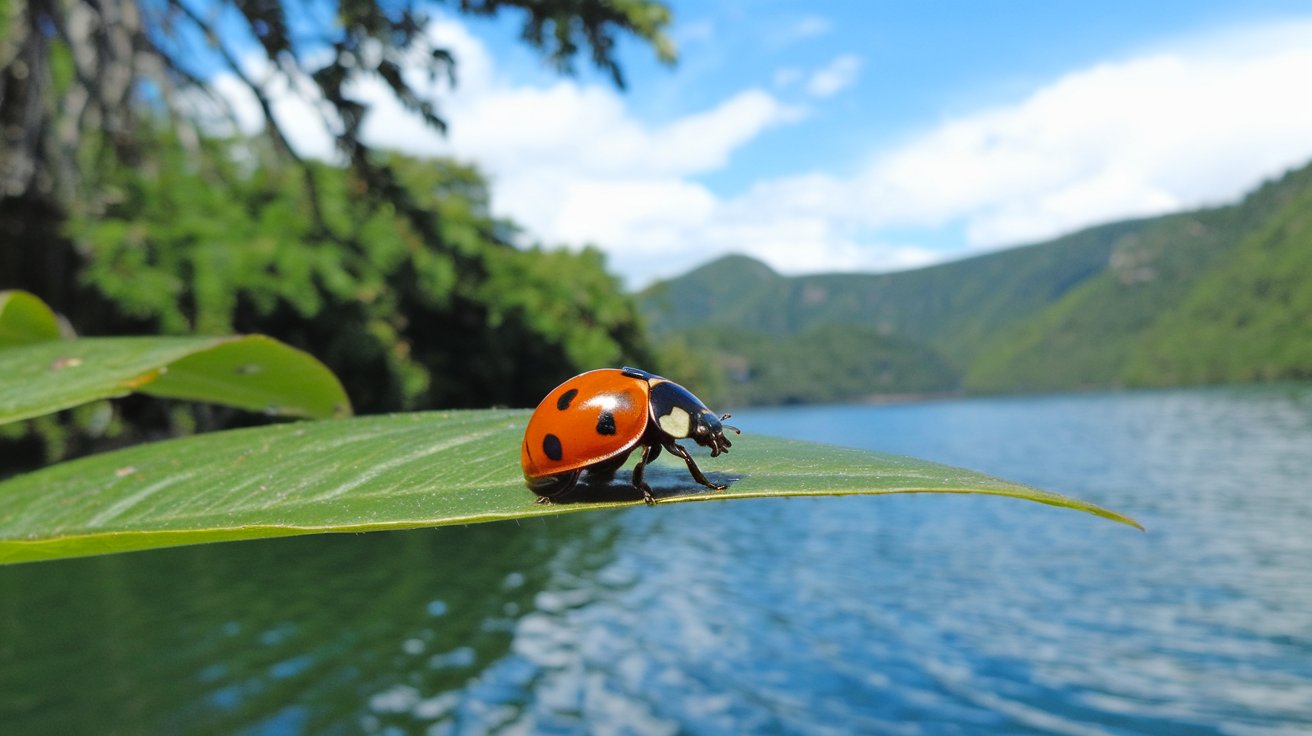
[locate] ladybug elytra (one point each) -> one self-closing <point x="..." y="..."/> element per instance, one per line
<point x="595" y="420"/>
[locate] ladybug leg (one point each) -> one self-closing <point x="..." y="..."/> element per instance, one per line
<point x="697" y="474"/>
<point x="649" y="453"/>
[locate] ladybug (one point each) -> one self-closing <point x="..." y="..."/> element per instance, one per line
<point x="596" y="419"/>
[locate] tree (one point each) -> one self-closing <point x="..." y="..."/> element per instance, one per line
<point x="79" y="68"/>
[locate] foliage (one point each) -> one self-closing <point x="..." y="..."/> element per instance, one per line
<point x="817" y="365"/>
<point x="1133" y="324"/>
<point x="439" y="311"/>
<point x="24" y="320"/>
<point x="1219" y="294"/>
<point x="254" y="373"/>
<point x="44" y="374"/>
<point x="952" y="306"/>
<point x="1250" y="318"/>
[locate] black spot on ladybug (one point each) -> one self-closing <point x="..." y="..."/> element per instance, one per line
<point x="606" y="423"/>
<point x="563" y="402"/>
<point x="551" y="446"/>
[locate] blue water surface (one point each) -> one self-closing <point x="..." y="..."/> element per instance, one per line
<point x="917" y="614"/>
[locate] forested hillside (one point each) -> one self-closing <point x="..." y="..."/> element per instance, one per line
<point x="1215" y="295"/>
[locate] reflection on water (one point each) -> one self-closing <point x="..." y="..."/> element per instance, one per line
<point x="306" y="634"/>
<point x="916" y="614"/>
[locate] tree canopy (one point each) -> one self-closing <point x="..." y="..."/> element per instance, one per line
<point x="78" y="68"/>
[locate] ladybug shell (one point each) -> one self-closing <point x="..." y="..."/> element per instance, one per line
<point x="590" y="418"/>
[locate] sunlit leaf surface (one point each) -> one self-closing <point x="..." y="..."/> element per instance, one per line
<point x="397" y="472"/>
<point x="25" y="319"/>
<point x="252" y="372"/>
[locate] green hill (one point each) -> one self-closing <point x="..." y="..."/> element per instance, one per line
<point x="1213" y="295"/>
<point x="1250" y="317"/>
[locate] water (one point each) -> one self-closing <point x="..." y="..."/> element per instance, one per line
<point x="915" y="614"/>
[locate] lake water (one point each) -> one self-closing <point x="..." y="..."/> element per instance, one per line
<point x="904" y="614"/>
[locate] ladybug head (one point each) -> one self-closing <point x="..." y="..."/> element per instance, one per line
<point x="708" y="431"/>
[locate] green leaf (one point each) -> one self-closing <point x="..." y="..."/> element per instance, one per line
<point x="252" y="372"/>
<point x="25" y="319"/>
<point x="397" y="472"/>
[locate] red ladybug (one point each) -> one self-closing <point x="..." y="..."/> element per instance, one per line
<point x="596" y="419"/>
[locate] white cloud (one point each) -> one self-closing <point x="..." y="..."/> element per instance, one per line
<point x="298" y="118"/>
<point x="1137" y="137"/>
<point x="1196" y="123"/>
<point x="812" y="26"/>
<point x="571" y="162"/>
<point x="1168" y="130"/>
<point x="837" y="76"/>
<point x="568" y="161"/>
<point x="572" y="165"/>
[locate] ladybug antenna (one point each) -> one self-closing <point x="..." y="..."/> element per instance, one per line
<point x="727" y="426"/>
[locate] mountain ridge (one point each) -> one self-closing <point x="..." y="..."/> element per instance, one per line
<point x="1108" y="306"/>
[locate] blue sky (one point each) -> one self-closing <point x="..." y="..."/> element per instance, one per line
<point x="916" y="62"/>
<point x="871" y="135"/>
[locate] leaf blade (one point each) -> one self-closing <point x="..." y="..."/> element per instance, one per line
<point x="395" y="472"/>
<point x="49" y="376"/>
<point x="25" y="319"/>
